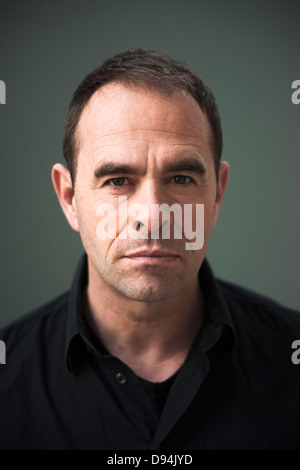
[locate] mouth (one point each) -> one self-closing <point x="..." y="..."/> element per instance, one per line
<point x="152" y="257"/>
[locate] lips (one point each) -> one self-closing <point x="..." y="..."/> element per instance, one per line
<point x="151" y="254"/>
<point x="151" y="257"/>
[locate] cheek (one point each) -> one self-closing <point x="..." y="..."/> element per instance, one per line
<point x="93" y="214"/>
<point x="209" y="212"/>
<point x="87" y="222"/>
<point x="208" y="216"/>
<point x="97" y="249"/>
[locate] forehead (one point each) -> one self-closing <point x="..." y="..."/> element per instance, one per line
<point x="116" y="114"/>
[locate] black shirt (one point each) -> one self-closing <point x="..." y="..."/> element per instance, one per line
<point x="238" y="388"/>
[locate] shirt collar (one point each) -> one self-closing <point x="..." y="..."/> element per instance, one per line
<point x="74" y="314"/>
<point x="217" y="332"/>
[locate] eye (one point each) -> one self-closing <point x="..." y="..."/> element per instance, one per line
<point x="181" y="179"/>
<point x="117" y="181"/>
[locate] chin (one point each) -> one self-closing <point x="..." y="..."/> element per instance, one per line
<point x="150" y="292"/>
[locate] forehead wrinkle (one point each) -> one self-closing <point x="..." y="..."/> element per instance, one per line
<point x="185" y="146"/>
<point x="184" y="153"/>
<point x="135" y="144"/>
<point x="182" y="148"/>
<point x="159" y="130"/>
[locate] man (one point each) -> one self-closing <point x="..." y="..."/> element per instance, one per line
<point x="148" y="350"/>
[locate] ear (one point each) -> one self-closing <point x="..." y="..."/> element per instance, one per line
<point x="62" y="183"/>
<point x="222" y="183"/>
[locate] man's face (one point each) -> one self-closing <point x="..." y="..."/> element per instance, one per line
<point x="153" y="150"/>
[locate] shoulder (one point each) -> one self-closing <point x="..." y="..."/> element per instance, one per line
<point x="38" y="318"/>
<point x="246" y="301"/>
<point x="263" y="326"/>
<point x="29" y="339"/>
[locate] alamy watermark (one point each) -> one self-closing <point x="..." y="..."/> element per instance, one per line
<point x="132" y="221"/>
<point x="296" y="354"/>
<point x="2" y="352"/>
<point x="2" y="92"/>
<point x="296" y="94"/>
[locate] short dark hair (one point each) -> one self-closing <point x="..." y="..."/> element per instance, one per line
<point x="146" y="69"/>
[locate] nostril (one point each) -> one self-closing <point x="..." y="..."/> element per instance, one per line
<point x="139" y="225"/>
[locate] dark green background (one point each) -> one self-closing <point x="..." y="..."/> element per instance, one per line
<point x="249" y="54"/>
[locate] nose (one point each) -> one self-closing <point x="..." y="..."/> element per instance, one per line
<point x="145" y="216"/>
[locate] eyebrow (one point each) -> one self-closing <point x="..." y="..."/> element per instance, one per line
<point x="188" y="164"/>
<point x="109" y="169"/>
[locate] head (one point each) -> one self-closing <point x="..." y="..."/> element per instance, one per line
<point x="145" y="127"/>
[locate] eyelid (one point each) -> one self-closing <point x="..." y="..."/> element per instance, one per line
<point x="185" y="176"/>
<point x="115" y="178"/>
<point x="108" y="182"/>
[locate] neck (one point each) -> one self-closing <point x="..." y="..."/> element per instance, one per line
<point x="153" y="339"/>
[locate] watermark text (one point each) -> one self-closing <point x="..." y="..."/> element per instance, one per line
<point x="154" y="221"/>
<point x="296" y="354"/>
<point x="2" y="92"/>
<point x="296" y="94"/>
<point x="2" y="352"/>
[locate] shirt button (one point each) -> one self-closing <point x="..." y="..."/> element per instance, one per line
<point x="121" y="378"/>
